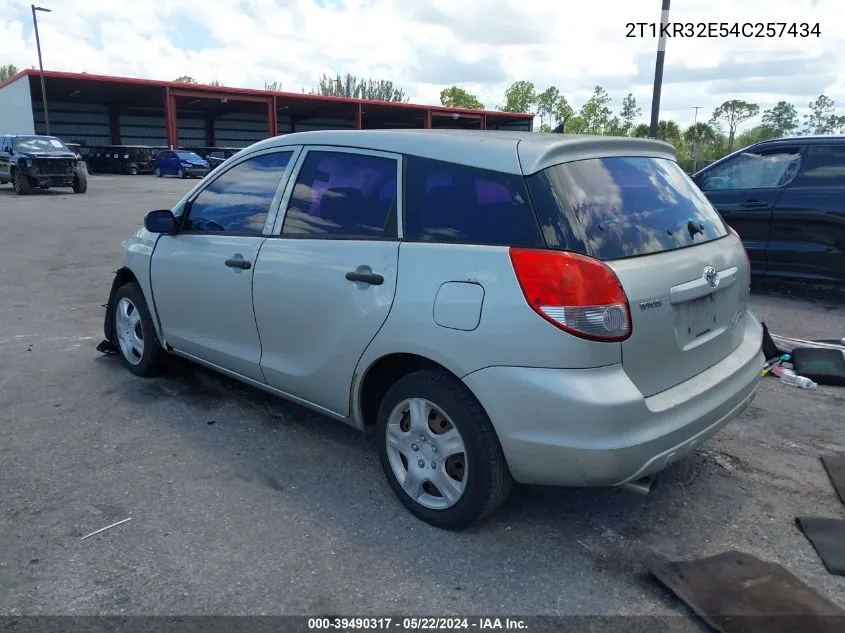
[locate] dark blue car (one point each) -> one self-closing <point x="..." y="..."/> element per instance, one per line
<point x="786" y="199"/>
<point x="180" y="162"/>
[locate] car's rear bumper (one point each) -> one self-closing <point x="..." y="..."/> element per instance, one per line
<point x="592" y="427"/>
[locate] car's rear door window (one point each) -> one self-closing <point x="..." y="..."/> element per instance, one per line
<point x="343" y="195"/>
<point x="618" y="207"/>
<point x="824" y="167"/>
<point x="451" y="203"/>
<point x="238" y="200"/>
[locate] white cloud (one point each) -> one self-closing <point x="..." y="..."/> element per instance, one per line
<point x="425" y="45"/>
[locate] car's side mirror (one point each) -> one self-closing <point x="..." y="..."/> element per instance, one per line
<point x="161" y="221"/>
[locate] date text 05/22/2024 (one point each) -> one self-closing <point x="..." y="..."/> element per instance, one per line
<point x="416" y="624"/>
<point x="723" y="29"/>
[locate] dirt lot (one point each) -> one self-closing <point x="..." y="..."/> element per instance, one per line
<point x="244" y="504"/>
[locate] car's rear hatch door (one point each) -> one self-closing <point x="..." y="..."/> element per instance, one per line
<point x="685" y="276"/>
<point x="687" y="307"/>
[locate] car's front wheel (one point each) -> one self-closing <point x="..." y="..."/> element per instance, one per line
<point x="80" y="181"/>
<point x="135" y="333"/>
<point x="182" y="173"/>
<point x="21" y="183"/>
<point x="439" y="451"/>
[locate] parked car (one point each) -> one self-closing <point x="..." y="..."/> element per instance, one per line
<point x="495" y="306"/>
<point x="218" y="156"/>
<point x="786" y="199"/>
<point x="180" y="162"/>
<point x="31" y="161"/>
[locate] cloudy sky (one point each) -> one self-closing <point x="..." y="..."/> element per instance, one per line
<point x="425" y="45"/>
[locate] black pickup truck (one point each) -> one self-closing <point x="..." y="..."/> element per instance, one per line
<point x="29" y="161"/>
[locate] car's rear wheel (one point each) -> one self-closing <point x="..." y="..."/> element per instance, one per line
<point x="439" y="451"/>
<point x="135" y="333"/>
<point x="80" y="181"/>
<point x="133" y="170"/>
<point x="20" y="183"/>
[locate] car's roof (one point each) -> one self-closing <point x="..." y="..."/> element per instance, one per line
<point x="803" y="140"/>
<point x="510" y="152"/>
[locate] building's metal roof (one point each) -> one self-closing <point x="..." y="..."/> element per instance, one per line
<point x="510" y="152"/>
<point x="222" y="91"/>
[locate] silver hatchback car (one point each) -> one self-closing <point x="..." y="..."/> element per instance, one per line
<point x="495" y="306"/>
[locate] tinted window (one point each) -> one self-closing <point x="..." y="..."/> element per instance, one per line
<point x="341" y="195"/>
<point x="754" y="170"/>
<point x="824" y="167"/>
<point x="446" y="202"/>
<point x="612" y="208"/>
<point x="239" y="199"/>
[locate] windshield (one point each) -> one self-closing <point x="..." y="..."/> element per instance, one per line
<point x="38" y="144"/>
<point x="188" y="156"/>
<point x="612" y="208"/>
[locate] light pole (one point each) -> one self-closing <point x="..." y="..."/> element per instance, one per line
<point x="658" y="70"/>
<point x="695" y="138"/>
<point x="41" y="65"/>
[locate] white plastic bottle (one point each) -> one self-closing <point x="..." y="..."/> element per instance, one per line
<point x="791" y="378"/>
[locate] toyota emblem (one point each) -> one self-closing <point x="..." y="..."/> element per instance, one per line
<point x="712" y="276"/>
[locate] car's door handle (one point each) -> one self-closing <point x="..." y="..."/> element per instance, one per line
<point x="243" y="264"/>
<point x="367" y="278"/>
<point x="750" y="204"/>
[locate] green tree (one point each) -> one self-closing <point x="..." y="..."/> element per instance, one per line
<point x="732" y="113"/>
<point x="521" y="96"/>
<point x="563" y="112"/>
<point x="576" y="125"/>
<point x="274" y="86"/>
<point x="616" y="127"/>
<point x="782" y="119"/>
<point x="702" y="133"/>
<point x="756" y="134"/>
<point x="7" y="72"/>
<point x="822" y="118"/>
<point x="629" y="113"/>
<point x="668" y="131"/>
<point x="185" y="79"/>
<point x="351" y="86"/>
<point x="547" y="104"/>
<point x="214" y="82"/>
<point x="641" y="130"/>
<point x="596" y="112"/>
<point x="456" y="97"/>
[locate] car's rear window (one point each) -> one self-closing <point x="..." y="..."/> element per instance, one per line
<point x="613" y="208"/>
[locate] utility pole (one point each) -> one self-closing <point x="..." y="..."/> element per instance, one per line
<point x="658" y="70"/>
<point x="695" y="139"/>
<point x="41" y="65"/>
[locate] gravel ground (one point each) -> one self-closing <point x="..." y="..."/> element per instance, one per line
<point x="244" y="504"/>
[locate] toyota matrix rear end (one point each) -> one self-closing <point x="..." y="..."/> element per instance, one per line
<point x="635" y="257"/>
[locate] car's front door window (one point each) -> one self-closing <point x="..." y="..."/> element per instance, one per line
<point x="754" y="170"/>
<point x="238" y="201"/>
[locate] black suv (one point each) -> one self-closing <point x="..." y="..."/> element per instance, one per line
<point x="786" y="199"/>
<point x="40" y="161"/>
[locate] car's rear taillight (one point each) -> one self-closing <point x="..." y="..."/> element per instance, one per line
<point x="578" y="294"/>
<point x="736" y="235"/>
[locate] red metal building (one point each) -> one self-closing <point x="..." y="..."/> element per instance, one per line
<point x="103" y="110"/>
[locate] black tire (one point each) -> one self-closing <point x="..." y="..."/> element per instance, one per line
<point x="154" y="359"/>
<point x="158" y="172"/>
<point x="21" y="183"/>
<point x="133" y="170"/>
<point x="80" y="181"/>
<point x="182" y="173"/>
<point x="488" y="477"/>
